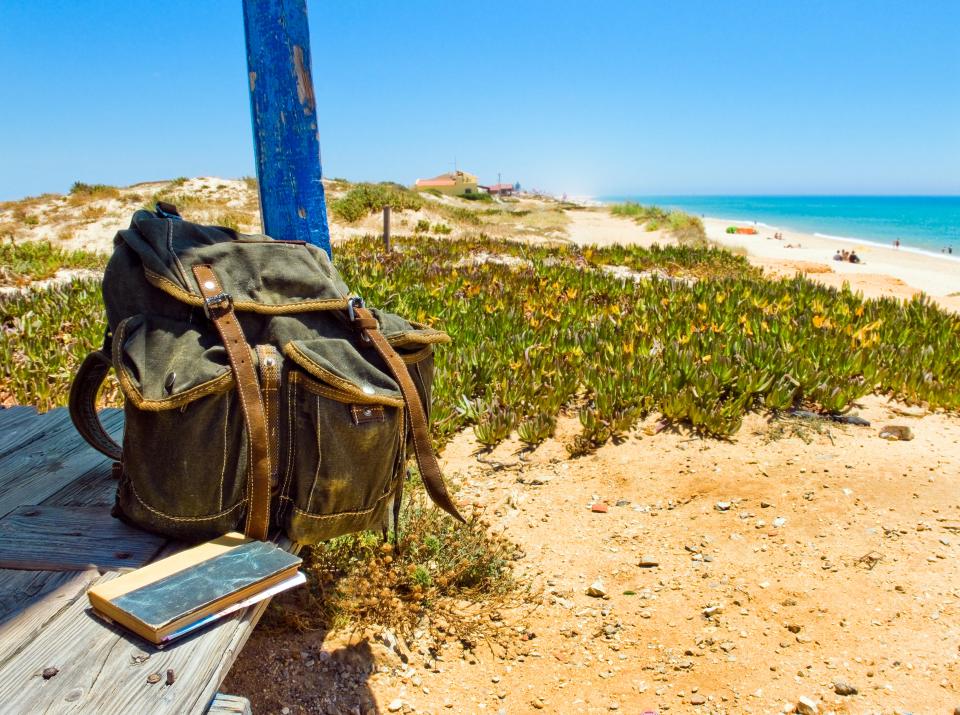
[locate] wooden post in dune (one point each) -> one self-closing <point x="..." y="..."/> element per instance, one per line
<point x="386" y="228"/>
<point x="285" y="121"/>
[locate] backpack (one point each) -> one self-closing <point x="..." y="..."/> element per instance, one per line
<point x="258" y="391"/>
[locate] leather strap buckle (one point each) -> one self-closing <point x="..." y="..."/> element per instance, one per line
<point x="220" y="300"/>
<point x="354" y="302"/>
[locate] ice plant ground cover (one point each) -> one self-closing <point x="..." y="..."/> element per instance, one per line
<point x="693" y="334"/>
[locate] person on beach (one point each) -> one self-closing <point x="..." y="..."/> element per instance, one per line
<point x="838" y="256"/>
<point x="896" y="243"/>
<point x="854" y="258"/>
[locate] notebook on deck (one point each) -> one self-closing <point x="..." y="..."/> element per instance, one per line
<point x="166" y="596"/>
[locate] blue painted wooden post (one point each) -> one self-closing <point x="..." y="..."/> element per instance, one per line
<point x="285" y="121"/>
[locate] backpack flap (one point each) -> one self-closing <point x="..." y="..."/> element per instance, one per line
<point x="261" y="274"/>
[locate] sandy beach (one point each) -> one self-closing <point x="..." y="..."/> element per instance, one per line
<point x="884" y="271"/>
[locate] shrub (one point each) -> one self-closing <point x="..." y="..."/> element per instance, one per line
<point x="478" y="196"/>
<point x="93" y="191"/>
<point x="363" y="199"/>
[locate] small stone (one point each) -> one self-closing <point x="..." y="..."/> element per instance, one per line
<point x="395" y="705"/>
<point x="73" y="695"/>
<point x="171" y="676"/>
<point x="613" y="706"/>
<point x="722" y="506"/>
<point x="697" y="700"/>
<point x="778" y="522"/>
<point x="537" y="703"/>
<point x="597" y="589"/>
<point x="806" y="706"/>
<point x="895" y="433"/>
<point x="599" y="508"/>
<point x="648" y="562"/>
<point x="284" y="710"/>
<point x="50" y="672"/>
<point x="841" y="687"/>
<point x="623" y="502"/>
<point x="153" y="678"/>
<point x="793" y="628"/>
<point x="765" y="505"/>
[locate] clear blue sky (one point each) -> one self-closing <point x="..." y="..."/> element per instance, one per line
<point x="604" y="97"/>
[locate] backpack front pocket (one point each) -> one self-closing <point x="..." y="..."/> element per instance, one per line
<point x="185" y="446"/>
<point x="344" y="441"/>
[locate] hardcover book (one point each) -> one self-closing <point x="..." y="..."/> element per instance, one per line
<point x="166" y="596"/>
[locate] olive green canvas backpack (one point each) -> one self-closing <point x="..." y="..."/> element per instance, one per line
<point x="259" y="394"/>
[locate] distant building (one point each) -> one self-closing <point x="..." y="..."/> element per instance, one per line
<point x="500" y="189"/>
<point x="456" y="183"/>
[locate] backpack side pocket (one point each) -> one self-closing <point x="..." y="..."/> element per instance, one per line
<point x="185" y="447"/>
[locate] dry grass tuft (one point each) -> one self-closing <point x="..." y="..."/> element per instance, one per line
<point x="439" y="569"/>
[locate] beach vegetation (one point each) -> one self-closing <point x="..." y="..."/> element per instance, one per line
<point x="481" y="196"/>
<point x="692" y="335"/>
<point x="364" y="199"/>
<point x="89" y="192"/>
<point x="26" y="261"/>
<point x="686" y="229"/>
<point x="433" y="566"/>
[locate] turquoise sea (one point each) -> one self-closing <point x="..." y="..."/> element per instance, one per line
<point x="926" y="223"/>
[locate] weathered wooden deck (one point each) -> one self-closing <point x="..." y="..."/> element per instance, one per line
<point x="57" y="538"/>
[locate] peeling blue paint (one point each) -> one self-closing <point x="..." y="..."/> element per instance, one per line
<point x="284" y="124"/>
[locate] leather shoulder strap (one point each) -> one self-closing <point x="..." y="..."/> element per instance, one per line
<point x="219" y="307"/>
<point x="83" y="403"/>
<point x="426" y="459"/>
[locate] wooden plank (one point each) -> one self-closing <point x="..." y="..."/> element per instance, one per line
<point x="35" y="430"/>
<point x="224" y="704"/>
<point x="101" y="668"/>
<point x="30" y="599"/>
<point x="18" y="426"/>
<point x="69" y="538"/>
<point x="31" y="474"/>
<point x="95" y="487"/>
<point x="285" y="121"/>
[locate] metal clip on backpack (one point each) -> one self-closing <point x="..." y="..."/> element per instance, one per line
<point x="258" y="391"/>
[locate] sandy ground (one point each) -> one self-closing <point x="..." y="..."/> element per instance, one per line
<point x="883" y="272"/>
<point x="597" y="226"/>
<point x="782" y="569"/>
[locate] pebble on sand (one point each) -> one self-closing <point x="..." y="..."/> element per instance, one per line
<point x="841" y="687"/>
<point x="894" y="433"/>
<point x="597" y="589"/>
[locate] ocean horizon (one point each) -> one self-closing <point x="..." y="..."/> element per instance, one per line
<point x="926" y="223"/>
